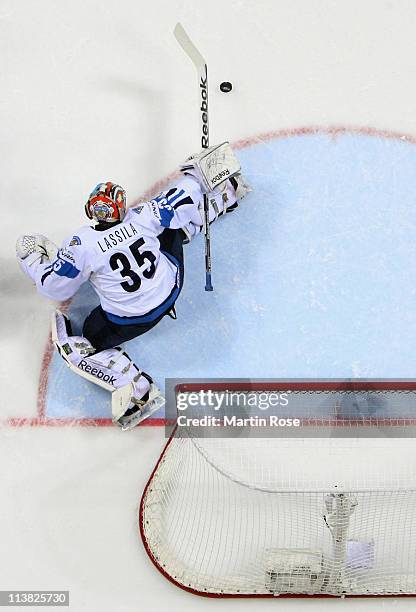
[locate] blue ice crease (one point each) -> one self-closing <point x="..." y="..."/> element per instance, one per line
<point x="313" y="276"/>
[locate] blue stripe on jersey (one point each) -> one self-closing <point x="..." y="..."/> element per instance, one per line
<point x="166" y="215"/>
<point x="178" y="195"/>
<point x="66" y="269"/>
<point x="166" y="198"/>
<point x="62" y="267"/>
<point x="165" y="202"/>
<point x="48" y="272"/>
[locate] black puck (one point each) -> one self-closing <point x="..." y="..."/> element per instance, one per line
<point x="226" y="86"/>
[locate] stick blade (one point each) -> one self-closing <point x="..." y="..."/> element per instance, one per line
<point x="188" y="46"/>
<point x="208" y="282"/>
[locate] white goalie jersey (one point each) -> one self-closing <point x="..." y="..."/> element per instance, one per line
<point x="130" y="273"/>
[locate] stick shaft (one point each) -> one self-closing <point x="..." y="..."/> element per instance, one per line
<point x="202" y="71"/>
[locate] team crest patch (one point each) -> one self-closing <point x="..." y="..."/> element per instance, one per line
<point x="137" y="209"/>
<point x="75" y="240"/>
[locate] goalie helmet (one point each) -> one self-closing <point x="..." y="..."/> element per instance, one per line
<point x="107" y="203"/>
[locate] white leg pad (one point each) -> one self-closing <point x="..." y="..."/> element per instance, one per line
<point x="110" y="369"/>
<point x="130" y="414"/>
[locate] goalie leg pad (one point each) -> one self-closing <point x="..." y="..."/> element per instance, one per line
<point x="140" y="410"/>
<point x="111" y="369"/>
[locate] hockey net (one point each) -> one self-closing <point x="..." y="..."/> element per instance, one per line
<point x="310" y="516"/>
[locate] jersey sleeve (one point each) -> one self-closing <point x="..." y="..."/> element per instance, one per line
<point x="174" y="208"/>
<point x="61" y="278"/>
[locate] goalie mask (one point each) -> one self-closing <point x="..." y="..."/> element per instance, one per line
<point x="107" y="203"/>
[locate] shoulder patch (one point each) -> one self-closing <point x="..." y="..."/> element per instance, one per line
<point x="137" y="209"/>
<point x="75" y="240"/>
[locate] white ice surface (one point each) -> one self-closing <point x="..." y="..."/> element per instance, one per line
<point x="93" y="90"/>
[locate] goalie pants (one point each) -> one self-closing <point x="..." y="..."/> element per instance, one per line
<point x="104" y="334"/>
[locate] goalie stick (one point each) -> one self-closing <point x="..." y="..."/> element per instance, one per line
<point x="202" y="70"/>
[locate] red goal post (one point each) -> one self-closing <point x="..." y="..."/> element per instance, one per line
<point x="316" y="516"/>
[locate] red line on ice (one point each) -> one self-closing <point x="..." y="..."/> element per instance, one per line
<point x="334" y="131"/>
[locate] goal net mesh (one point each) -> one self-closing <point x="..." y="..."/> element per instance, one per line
<point x="276" y="516"/>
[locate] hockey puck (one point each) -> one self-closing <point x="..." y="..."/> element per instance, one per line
<point x="226" y="86"/>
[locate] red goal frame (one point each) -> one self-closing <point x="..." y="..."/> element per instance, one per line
<point x="399" y="385"/>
